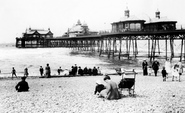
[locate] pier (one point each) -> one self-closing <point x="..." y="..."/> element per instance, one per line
<point x="120" y="42"/>
<point x="111" y="44"/>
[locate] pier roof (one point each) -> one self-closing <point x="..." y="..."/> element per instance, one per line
<point x="131" y="18"/>
<point x="38" y="31"/>
<point x="160" y="20"/>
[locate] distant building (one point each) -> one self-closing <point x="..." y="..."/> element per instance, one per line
<point x="37" y="33"/>
<point x="79" y="30"/>
<point x="34" y="38"/>
<point x="160" y="23"/>
<point x="128" y="23"/>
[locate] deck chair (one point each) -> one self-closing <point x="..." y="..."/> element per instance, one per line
<point x="128" y="82"/>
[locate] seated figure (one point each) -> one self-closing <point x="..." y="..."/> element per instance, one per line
<point x="22" y="85"/>
<point x="111" y="92"/>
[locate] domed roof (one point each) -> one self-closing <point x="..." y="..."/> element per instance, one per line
<point x="78" y="27"/>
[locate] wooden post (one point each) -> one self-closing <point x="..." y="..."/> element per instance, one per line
<point x="120" y="48"/>
<point x="166" y="38"/>
<point x="148" y="48"/>
<point x="184" y="48"/>
<point x="158" y="46"/>
<point x="113" y="46"/>
<point x="181" y="50"/>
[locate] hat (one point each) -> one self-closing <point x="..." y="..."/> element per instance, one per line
<point x="23" y="78"/>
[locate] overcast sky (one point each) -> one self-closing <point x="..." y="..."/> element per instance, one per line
<point x="59" y="15"/>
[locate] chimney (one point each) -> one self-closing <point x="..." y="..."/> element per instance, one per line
<point x="127" y="13"/>
<point x="157" y="14"/>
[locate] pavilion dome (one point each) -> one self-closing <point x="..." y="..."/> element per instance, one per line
<point x="76" y="28"/>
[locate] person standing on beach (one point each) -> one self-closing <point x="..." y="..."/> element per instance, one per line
<point x="75" y="69"/>
<point x="26" y="72"/>
<point x="48" y="71"/>
<point x="41" y="71"/>
<point x="22" y="85"/>
<point x="59" y="70"/>
<point x="168" y="66"/>
<point x="145" y="67"/>
<point x="13" y="72"/>
<point x="164" y="73"/>
<point x="155" y="67"/>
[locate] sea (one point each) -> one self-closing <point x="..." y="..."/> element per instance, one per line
<point x="33" y="58"/>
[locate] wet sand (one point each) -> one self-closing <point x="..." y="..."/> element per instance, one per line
<point x="76" y="95"/>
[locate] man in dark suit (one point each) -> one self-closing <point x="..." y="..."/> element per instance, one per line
<point x="155" y="67"/>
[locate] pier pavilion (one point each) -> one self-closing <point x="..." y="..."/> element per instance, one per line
<point x="34" y="38"/>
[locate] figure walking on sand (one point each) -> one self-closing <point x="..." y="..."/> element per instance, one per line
<point x="26" y="72"/>
<point x="155" y="67"/>
<point x="48" y="71"/>
<point x="13" y="72"/>
<point x="145" y="67"/>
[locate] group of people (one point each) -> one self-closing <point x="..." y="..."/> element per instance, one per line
<point x="14" y="72"/>
<point x="75" y="70"/>
<point x="41" y="70"/>
<point x="175" y="70"/>
<point x="23" y="86"/>
<point x="147" y="70"/>
<point x="108" y="91"/>
<point x="47" y="71"/>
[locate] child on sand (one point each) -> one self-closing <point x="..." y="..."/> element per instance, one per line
<point x="150" y="70"/>
<point x="164" y="73"/>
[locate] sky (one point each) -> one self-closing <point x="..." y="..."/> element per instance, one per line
<point x="18" y="15"/>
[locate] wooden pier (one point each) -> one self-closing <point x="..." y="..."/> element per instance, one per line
<point x="122" y="41"/>
<point x="111" y="44"/>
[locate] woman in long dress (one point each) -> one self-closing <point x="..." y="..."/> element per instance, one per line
<point x="145" y="68"/>
<point x="168" y="66"/>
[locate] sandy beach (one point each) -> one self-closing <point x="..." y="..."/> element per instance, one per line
<point x="76" y="95"/>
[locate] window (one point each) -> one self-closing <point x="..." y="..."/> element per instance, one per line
<point x="138" y="26"/>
